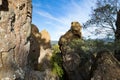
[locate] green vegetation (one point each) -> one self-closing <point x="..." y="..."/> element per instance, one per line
<point x="85" y="48"/>
<point x="92" y="46"/>
<point x="56" y="61"/>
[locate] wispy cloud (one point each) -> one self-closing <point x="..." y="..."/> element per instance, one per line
<point x="48" y="15"/>
<point x="73" y="11"/>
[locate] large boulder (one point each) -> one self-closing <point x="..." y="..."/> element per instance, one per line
<point x="73" y="58"/>
<point x="105" y="67"/>
<point x="15" y="29"/>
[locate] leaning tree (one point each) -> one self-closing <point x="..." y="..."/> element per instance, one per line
<point x="103" y="17"/>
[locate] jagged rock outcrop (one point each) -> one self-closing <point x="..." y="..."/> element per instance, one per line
<point x="105" y="67"/>
<point x="34" y="48"/>
<point x="73" y="33"/>
<point x="45" y="50"/>
<point x="15" y="29"/>
<point x="72" y="58"/>
<point x="45" y="39"/>
<point x="39" y="56"/>
<point x="40" y="49"/>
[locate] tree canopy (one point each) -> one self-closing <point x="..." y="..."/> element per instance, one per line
<point x="104" y="17"/>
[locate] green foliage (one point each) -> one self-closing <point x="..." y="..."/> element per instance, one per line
<point x="55" y="49"/>
<point x="91" y="46"/>
<point x="58" y="70"/>
<point x="56" y="61"/>
<point x="79" y="45"/>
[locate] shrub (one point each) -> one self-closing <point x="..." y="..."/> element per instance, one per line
<point x="91" y="46"/>
<point x="56" y="61"/>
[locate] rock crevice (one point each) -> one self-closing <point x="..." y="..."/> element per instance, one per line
<point x="15" y="31"/>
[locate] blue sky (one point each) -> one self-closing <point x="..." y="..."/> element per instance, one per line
<point x="56" y="15"/>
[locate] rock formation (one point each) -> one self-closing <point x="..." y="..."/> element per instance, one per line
<point x="45" y="50"/>
<point x="72" y="60"/>
<point x="34" y="48"/>
<point x="105" y="67"/>
<point x="15" y="29"/>
<point x="73" y="33"/>
<point x="45" y="39"/>
<point x="39" y="56"/>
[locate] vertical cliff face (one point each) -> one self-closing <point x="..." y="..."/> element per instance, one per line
<point x="15" y="29"/>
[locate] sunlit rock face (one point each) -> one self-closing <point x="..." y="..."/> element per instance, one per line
<point x="15" y="29"/>
<point x="73" y="33"/>
<point x="72" y="59"/>
<point x="45" y="50"/>
<point x="105" y="67"/>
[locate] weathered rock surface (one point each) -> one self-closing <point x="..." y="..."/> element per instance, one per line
<point x="15" y="29"/>
<point x="73" y="33"/>
<point x="34" y="48"/>
<point x="42" y="75"/>
<point x="45" y="39"/>
<point x="105" y="67"/>
<point x="39" y="56"/>
<point x="45" y="50"/>
<point x="72" y="59"/>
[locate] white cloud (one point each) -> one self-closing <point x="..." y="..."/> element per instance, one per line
<point x="74" y="11"/>
<point x="48" y="15"/>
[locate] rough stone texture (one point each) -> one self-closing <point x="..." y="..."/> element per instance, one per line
<point x="39" y="56"/>
<point x="15" y="29"/>
<point x="105" y="67"/>
<point x="42" y="75"/>
<point x="72" y="58"/>
<point x="45" y="50"/>
<point x="73" y="33"/>
<point x="40" y="49"/>
<point x="34" y="48"/>
<point x="45" y="39"/>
